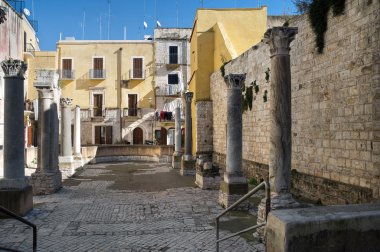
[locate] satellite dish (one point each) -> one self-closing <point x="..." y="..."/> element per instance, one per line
<point x="26" y="12"/>
<point x="158" y="23"/>
<point x="145" y="25"/>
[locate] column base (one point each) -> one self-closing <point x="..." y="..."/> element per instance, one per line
<point x="176" y="161"/>
<point x="19" y="201"/>
<point x="66" y="166"/>
<point x="230" y="193"/>
<point x="46" y="183"/>
<point x="207" y="181"/>
<point x="282" y="201"/>
<point x="187" y="166"/>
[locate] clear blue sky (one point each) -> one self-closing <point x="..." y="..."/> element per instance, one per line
<point x="66" y="16"/>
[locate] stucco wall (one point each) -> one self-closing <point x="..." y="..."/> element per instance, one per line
<point x="335" y="100"/>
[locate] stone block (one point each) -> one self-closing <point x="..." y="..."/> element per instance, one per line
<point x="330" y="228"/>
<point x="230" y="193"/>
<point x="46" y="183"/>
<point x="19" y="201"/>
<point x="187" y="167"/>
<point x="207" y="182"/>
<point x="176" y="161"/>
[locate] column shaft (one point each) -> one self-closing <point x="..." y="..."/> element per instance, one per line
<point x="188" y="123"/>
<point x="177" y="147"/>
<point x="66" y="131"/>
<point x="77" y="144"/>
<point x="14" y="128"/>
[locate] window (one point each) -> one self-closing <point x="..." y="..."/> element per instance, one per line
<point x="132" y="104"/>
<point x="103" y="134"/>
<point x="137" y="68"/>
<point x="98" y="66"/>
<point x="67" y="65"/>
<point x="173" y="79"/>
<point x="173" y="54"/>
<point x="98" y="105"/>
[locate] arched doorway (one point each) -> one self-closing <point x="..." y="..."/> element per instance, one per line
<point x="138" y="137"/>
<point x="163" y="136"/>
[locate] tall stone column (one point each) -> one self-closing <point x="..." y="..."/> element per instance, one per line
<point x="176" y="164"/>
<point x="15" y="192"/>
<point x="47" y="179"/>
<point x="188" y="162"/>
<point x="66" y="159"/>
<point x="235" y="184"/>
<point x="280" y="141"/>
<point x="77" y="144"/>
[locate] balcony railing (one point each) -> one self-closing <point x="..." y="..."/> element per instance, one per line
<point x="97" y="112"/>
<point x="97" y="73"/>
<point x="168" y="89"/>
<point x="29" y="48"/>
<point x="173" y="58"/>
<point x="136" y="74"/>
<point x="66" y="74"/>
<point x="132" y="112"/>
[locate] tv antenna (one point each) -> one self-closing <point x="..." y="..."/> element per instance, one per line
<point x="109" y="18"/>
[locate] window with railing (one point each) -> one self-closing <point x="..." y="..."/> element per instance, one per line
<point x="98" y="71"/>
<point x="137" y="68"/>
<point x="67" y="71"/>
<point x="97" y="108"/>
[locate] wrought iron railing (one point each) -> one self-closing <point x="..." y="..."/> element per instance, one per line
<point x="132" y="112"/>
<point x="15" y="216"/>
<point x="97" y="73"/>
<point x="65" y="74"/>
<point x="168" y="89"/>
<point x="137" y="73"/>
<point x="264" y="184"/>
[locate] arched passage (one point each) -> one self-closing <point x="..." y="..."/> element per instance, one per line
<point x="138" y="136"/>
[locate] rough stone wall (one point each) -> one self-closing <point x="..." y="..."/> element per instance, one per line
<point x="335" y="102"/>
<point x="204" y="127"/>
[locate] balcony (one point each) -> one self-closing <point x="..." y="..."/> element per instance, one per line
<point x="67" y="74"/>
<point x="96" y="74"/>
<point x="168" y="90"/>
<point x="29" y="50"/>
<point x="132" y="112"/>
<point x="137" y="74"/>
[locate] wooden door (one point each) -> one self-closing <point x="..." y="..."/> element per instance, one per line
<point x="98" y="105"/>
<point x="132" y="105"/>
<point x="164" y="135"/>
<point x="137" y="67"/>
<point x="97" y="134"/>
<point x="108" y="134"/>
<point x="138" y="137"/>
<point x="30" y="136"/>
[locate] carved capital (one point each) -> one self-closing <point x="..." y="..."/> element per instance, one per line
<point x="279" y="39"/>
<point x="14" y="68"/>
<point x="189" y="96"/>
<point x="2" y="14"/>
<point x="66" y="102"/>
<point x="235" y="81"/>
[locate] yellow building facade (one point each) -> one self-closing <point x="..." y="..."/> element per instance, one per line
<point x="218" y="36"/>
<point x="111" y="81"/>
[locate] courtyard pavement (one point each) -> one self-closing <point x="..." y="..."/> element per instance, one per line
<point x="134" y="206"/>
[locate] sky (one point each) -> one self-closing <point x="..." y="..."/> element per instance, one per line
<point x="68" y="16"/>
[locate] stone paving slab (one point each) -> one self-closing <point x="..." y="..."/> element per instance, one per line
<point x="90" y="213"/>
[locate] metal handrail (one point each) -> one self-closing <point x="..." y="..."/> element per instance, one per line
<point x="15" y="216"/>
<point x="264" y="184"/>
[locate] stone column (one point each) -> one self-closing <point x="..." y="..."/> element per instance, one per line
<point x="77" y="144"/>
<point x="188" y="162"/>
<point x="15" y="191"/>
<point x="47" y="179"/>
<point x="176" y="164"/>
<point x="235" y="184"/>
<point x="280" y="142"/>
<point x="66" y="159"/>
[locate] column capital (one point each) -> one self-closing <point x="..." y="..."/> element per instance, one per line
<point x="45" y="93"/>
<point x="189" y="96"/>
<point x="66" y="102"/>
<point x="14" y="68"/>
<point x="279" y="39"/>
<point x="234" y="81"/>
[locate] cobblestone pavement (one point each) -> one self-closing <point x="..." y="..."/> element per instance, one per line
<point x="97" y="211"/>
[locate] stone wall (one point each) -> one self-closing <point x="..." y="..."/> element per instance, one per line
<point x="335" y="102"/>
<point x="204" y="127"/>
